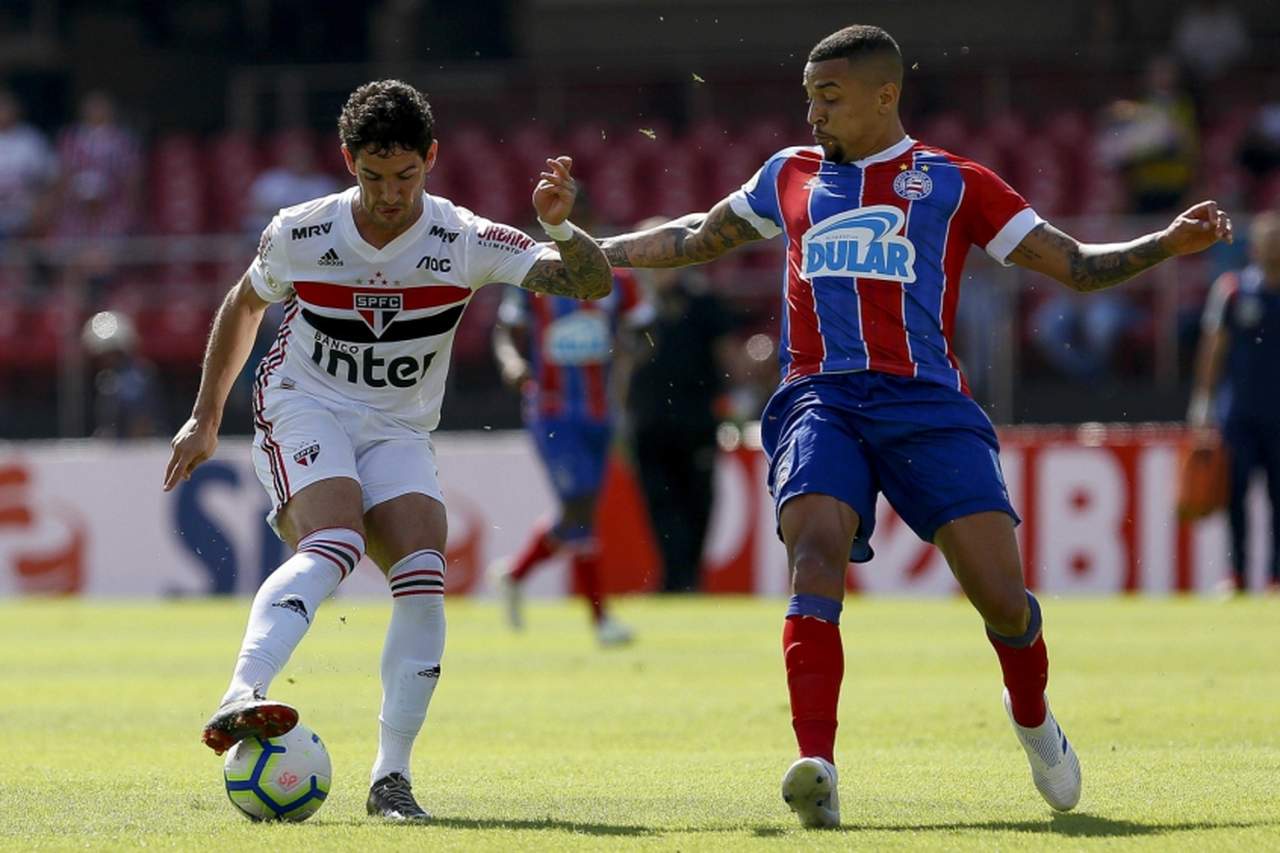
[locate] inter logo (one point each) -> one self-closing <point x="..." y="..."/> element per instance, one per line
<point x="862" y="243"/>
<point x="913" y="184"/>
<point x="378" y="310"/>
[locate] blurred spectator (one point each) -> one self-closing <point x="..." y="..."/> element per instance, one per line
<point x="294" y="179"/>
<point x="27" y="170"/>
<point x="1238" y="358"/>
<point x="1078" y="333"/>
<point x="1210" y="37"/>
<point x="1152" y="141"/>
<point x="100" y="173"/>
<point x="680" y="367"/>
<point x="754" y="378"/>
<point x="1109" y="29"/>
<point x="98" y="190"/>
<point x="125" y="388"/>
<point x="1260" y="147"/>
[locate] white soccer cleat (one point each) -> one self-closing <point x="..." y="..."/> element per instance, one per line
<point x="1055" y="768"/>
<point x="508" y="589"/>
<point x="613" y="633"/>
<point x="809" y="789"/>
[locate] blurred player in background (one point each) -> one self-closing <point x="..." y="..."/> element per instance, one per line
<point x="574" y="369"/>
<point x="681" y="362"/>
<point x="872" y="399"/>
<point x="374" y="280"/>
<point x="1240" y="356"/>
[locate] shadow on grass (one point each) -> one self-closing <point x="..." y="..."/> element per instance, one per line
<point x="605" y="829"/>
<point x="1072" y="825"/>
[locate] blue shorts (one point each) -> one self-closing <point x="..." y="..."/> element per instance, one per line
<point x="930" y="449"/>
<point x="574" y="453"/>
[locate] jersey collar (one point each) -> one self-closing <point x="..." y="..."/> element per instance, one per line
<point x="347" y="222"/>
<point x="893" y="152"/>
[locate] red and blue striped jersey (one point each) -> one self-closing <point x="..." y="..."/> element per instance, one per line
<point x="875" y="250"/>
<point x="571" y="346"/>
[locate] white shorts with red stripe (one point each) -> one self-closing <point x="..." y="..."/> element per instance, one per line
<point x="300" y="439"/>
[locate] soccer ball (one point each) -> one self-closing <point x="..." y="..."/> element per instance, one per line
<point x="279" y="778"/>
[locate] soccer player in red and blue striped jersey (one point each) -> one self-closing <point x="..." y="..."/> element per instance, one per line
<point x="872" y="398"/>
<point x="567" y="381"/>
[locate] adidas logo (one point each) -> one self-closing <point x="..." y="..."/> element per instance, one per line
<point x="330" y="259"/>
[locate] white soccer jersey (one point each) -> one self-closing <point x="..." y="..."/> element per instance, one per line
<point x="376" y="325"/>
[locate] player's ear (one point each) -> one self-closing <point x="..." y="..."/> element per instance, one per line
<point x="887" y="98"/>
<point x="429" y="161"/>
<point x="348" y="159"/>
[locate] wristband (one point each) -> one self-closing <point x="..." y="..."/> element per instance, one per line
<point x="560" y="233"/>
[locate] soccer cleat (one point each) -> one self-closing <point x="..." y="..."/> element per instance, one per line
<point x="391" y="797"/>
<point x="809" y="789"/>
<point x="253" y="716"/>
<point x="612" y="633"/>
<point x="508" y="589"/>
<point x="1055" y="768"/>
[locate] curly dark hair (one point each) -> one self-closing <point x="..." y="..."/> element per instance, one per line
<point x="859" y="43"/>
<point x="384" y="115"/>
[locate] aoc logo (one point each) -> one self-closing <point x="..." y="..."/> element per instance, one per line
<point x="863" y="243"/>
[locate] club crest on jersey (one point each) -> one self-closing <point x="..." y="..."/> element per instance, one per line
<point x="378" y="310"/>
<point x="306" y="455"/>
<point x="912" y="184"/>
<point x="862" y="243"/>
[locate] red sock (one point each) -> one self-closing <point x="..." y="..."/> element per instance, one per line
<point x="814" y="658"/>
<point x="586" y="576"/>
<point x="1026" y="674"/>
<point x="541" y="545"/>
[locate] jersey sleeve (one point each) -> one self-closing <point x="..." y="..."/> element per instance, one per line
<point x="634" y="308"/>
<point x="757" y="200"/>
<point x="500" y="253"/>
<point x="997" y="217"/>
<point x="1215" y="306"/>
<point x="269" y="273"/>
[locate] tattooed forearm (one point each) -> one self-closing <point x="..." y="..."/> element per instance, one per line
<point x="582" y="271"/>
<point x="693" y="239"/>
<point x="1099" y="267"/>
<point x="1087" y="267"/>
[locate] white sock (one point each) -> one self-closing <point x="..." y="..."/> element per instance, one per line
<point x="287" y="602"/>
<point x="410" y="658"/>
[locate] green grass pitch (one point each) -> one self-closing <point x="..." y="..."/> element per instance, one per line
<point x="542" y="741"/>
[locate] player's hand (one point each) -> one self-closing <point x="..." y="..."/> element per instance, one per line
<point x="1196" y="229"/>
<point x="554" y="195"/>
<point x="193" y="444"/>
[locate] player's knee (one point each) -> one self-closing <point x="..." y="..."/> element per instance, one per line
<point x="817" y="572"/>
<point x="1008" y="613"/>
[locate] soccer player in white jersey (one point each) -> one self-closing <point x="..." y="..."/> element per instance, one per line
<point x="374" y="281"/>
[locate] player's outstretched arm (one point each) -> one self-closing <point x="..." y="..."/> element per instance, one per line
<point x="1095" y="266"/>
<point x="234" y="328"/>
<point x="692" y="239"/>
<point x="581" y="271"/>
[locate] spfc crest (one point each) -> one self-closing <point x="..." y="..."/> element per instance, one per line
<point x="307" y="454"/>
<point x="378" y="310"/>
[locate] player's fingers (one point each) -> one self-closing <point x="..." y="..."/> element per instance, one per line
<point x="560" y="165"/>
<point x="171" y="470"/>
